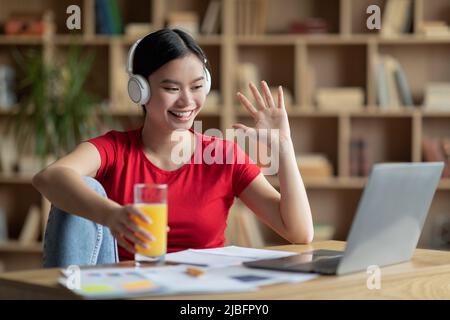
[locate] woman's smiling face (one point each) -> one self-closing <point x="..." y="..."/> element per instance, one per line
<point x="177" y="93"/>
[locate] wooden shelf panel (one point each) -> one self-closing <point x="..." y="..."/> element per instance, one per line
<point x="15" y="246"/>
<point x="266" y="39"/>
<point x="294" y="111"/>
<point x="368" y="112"/>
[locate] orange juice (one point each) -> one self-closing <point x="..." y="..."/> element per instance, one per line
<point x="157" y="212"/>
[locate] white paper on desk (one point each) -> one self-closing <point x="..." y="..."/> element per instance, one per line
<point x="178" y="281"/>
<point x="260" y="277"/>
<point x="109" y="283"/>
<point x="222" y="257"/>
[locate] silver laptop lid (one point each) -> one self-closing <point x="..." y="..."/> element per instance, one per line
<point x="390" y="214"/>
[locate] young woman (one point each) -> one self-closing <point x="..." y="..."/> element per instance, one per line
<point x="88" y="214"/>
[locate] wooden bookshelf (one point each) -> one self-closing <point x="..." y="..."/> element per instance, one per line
<point x="340" y="58"/>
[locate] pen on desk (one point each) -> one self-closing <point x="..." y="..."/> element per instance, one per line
<point x="194" y="272"/>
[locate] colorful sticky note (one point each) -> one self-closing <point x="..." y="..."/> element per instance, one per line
<point x="138" y="285"/>
<point x="97" y="288"/>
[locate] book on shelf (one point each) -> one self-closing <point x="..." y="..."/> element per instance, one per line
<point x="187" y="21"/>
<point x="108" y="19"/>
<point x="309" y="26"/>
<point x="392" y="87"/>
<point x="359" y="158"/>
<point x="437" y="149"/>
<point x="434" y="29"/>
<point x="138" y="29"/>
<point x="32" y="226"/>
<point x="310" y="84"/>
<point x="251" y="17"/>
<point x="396" y="18"/>
<point x="9" y="153"/>
<point x="437" y="96"/>
<point x="211" y="20"/>
<point x="314" y="166"/>
<point x="344" y="98"/>
<point x="403" y="86"/>
<point x="390" y="65"/>
<point x="8" y="97"/>
<point x="3" y="225"/>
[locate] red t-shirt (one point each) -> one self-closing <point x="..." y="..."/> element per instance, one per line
<point x="200" y="193"/>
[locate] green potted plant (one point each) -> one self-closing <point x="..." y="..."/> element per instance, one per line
<point x="57" y="112"/>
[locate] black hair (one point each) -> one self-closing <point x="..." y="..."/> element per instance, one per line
<point x="162" y="46"/>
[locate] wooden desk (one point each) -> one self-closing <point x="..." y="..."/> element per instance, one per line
<point x="426" y="276"/>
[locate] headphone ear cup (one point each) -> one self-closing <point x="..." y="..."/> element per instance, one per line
<point x="138" y="89"/>
<point x="208" y="81"/>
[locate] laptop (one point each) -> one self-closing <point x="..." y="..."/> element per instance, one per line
<point x="386" y="227"/>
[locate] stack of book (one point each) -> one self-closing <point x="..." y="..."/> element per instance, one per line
<point x="437" y="96"/>
<point x="314" y="166"/>
<point x="392" y="87"/>
<point x="350" y="98"/>
<point x="397" y="18"/>
<point x="187" y="21"/>
<point x="251" y="17"/>
<point x="309" y="26"/>
<point x="138" y="29"/>
<point x="435" y="29"/>
<point x="437" y="149"/>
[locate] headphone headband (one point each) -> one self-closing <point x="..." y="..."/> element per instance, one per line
<point x="130" y="57"/>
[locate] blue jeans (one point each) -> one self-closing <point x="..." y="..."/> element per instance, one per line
<point x="73" y="240"/>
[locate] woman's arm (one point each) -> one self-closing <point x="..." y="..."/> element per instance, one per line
<point x="287" y="212"/>
<point x="62" y="184"/>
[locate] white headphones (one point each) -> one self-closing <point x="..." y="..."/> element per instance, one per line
<point x="138" y="87"/>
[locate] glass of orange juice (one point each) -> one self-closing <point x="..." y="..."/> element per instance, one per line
<point x="151" y="199"/>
